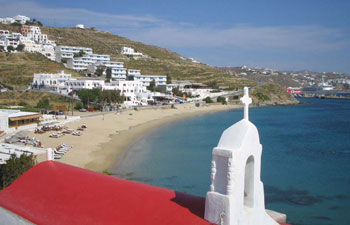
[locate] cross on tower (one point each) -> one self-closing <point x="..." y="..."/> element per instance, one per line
<point x="246" y="100"/>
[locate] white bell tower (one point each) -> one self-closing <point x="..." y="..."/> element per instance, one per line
<point x="236" y="195"/>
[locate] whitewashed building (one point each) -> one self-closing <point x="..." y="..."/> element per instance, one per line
<point x="48" y="50"/>
<point x="147" y="79"/>
<point x="132" y="72"/>
<point x="77" y="84"/>
<point x="81" y="26"/>
<point x="51" y="80"/>
<point x="30" y="45"/>
<point x="68" y="52"/>
<point x="79" y="64"/>
<point x="132" y="90"/>
<point x="21" y="19"/>
<point x="8" y="20"/>
<point x="118" y="73"/>
<point x="130" y="51"/>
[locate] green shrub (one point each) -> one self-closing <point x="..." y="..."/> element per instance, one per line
<point x="107" y="172"/>
<point x="78" y="105"/>
<point x="222" y="100"/>
<point x="43" y="104"/>
<point x="22" y="103"/>
<point x="14" y="168"/>
<point x="208" y="100"/>
<point x="262" y="97"/>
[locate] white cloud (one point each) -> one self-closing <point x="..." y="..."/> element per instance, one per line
<point x="71" y="16"/>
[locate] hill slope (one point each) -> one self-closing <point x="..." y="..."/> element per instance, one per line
<point x="17" y="69"/>
<point x="160" y="61"/>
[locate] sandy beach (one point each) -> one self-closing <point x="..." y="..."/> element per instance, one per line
<point x="108" y="135"/>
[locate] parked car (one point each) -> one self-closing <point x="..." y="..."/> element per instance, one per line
<point x="82" y="110"/>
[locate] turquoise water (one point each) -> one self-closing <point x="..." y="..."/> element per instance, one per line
<point x="305" y="161"/>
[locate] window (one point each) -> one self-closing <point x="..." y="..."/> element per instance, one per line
<point x="249" y="183"/>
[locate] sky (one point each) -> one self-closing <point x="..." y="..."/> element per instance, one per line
<point x="277" y="34"/>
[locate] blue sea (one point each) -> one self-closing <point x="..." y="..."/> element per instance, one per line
<point x="305" y="159"/>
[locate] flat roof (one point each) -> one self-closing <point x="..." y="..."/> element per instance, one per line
<point x="18" y="114"/>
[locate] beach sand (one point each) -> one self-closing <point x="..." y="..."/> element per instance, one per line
<point x="108" y="135"/>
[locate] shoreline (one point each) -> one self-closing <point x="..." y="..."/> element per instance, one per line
<point x="107" y="137"/>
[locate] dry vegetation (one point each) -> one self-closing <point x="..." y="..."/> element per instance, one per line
<point x="30" y="98"/>
<point x="160" y="61"/>
<point x="270" y="93"/>
<point x="17" y="69"/>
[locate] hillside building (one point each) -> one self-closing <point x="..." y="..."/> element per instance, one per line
<point x="81" y="26"/>
<point x="130" y="52"/>
<point x="21" y="19"/>
<point x="68" y="52"/>
<point x="50" y="80"/>
<point x="147" y="79"/>
<point x="8" y="20"/>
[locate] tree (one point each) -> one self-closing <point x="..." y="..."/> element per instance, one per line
<point x="108" y="74"/>
<point x="222" y="100"/>
<point x="78" y="105"/>
<point x="20" y="47"/>
<point x="64" y="60"/>
<point x="100" y="69"/>
<point x="208" y="100"/>
<point x="16" y="24"/>
<point x="2" y="48"/>
<point x="88" y="96"/>
<point x="10" y="48"/>
<point x="152" y="86"/>
<point x="110" y="97"/>
<point x="176" y="91"/>
<point x="43" y="104"/>
<point x="168" y="79"/>
<point x="14" y="168"/>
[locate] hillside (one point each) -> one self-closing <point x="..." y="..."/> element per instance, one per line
<point x="160" y="61"/>
<point x="31" y="99"/>
<point x="264" y="76"/>
<point x="17" y="69"/>
<point x="272" y="94"/>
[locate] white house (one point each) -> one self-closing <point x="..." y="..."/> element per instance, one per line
<point x="132" y="90"/>
<point x="8" y="20"/>
<point x="30" y="45"/>
<point x="130" y="51"/>
<point x="48" y="50"/>
<point x="21" y="19"/>
<point x="81" y="26"/>
<point x="39" y="38"/>
<point x="51" y="80"/>
<point x="77" y="84"/>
